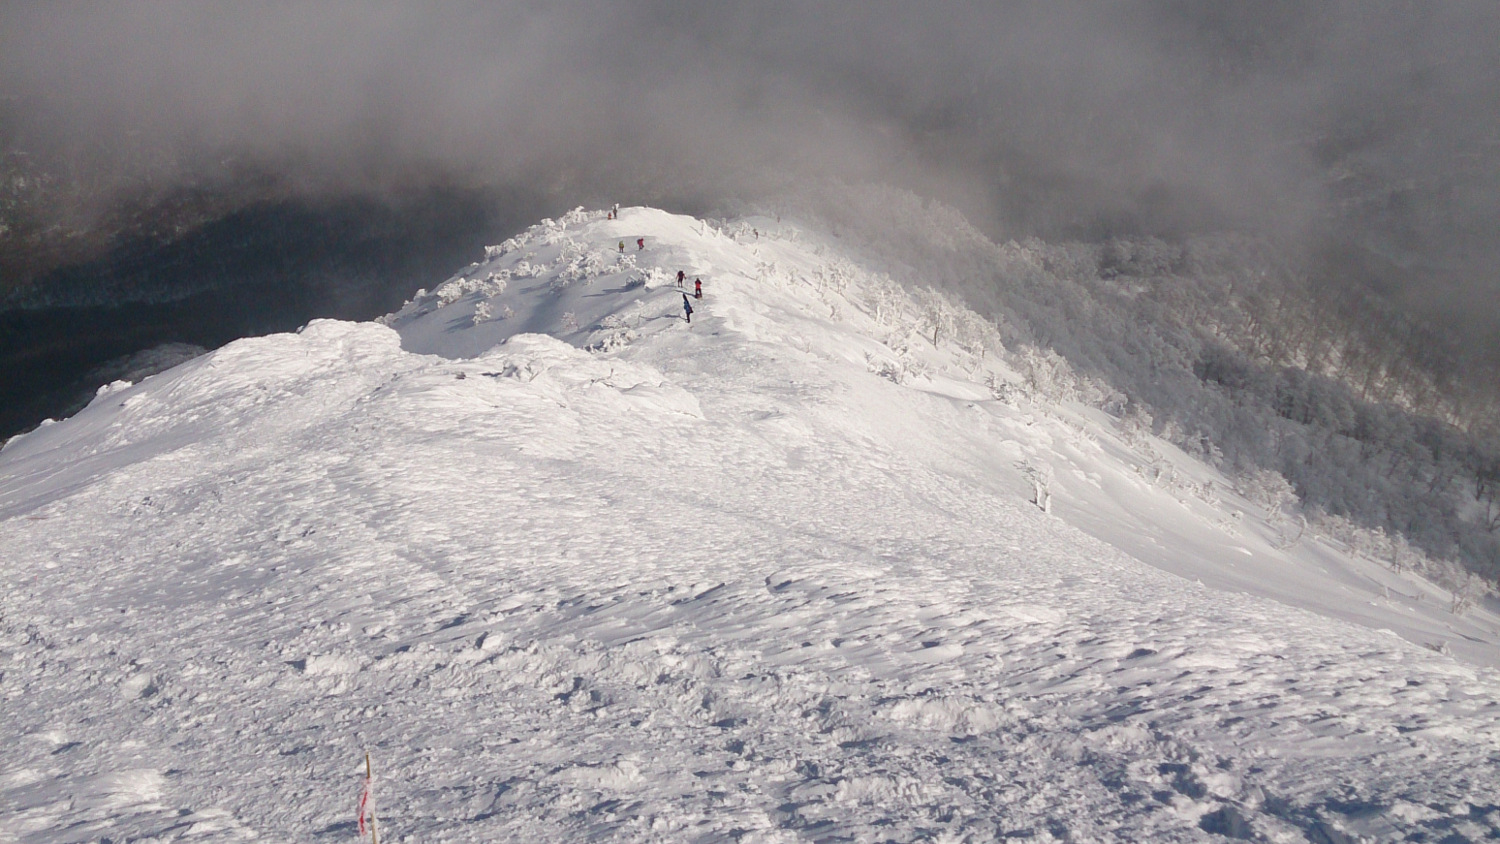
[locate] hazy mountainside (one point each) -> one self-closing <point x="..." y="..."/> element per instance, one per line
<point x="258" y="268"/>
<point x="832" y="561"/>
<point x="1219" y="345"/>
<point x="1403" y="169"/>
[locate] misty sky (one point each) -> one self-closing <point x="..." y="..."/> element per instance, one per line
<point x="1068" y="119"/>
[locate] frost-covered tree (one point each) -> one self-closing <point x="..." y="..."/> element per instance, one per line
<point x="934" y="315"/>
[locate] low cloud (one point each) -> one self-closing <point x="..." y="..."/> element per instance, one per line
<point x="1373" y="124"/>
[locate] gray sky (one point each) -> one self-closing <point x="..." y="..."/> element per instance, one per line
<point x="1060" y="118"/>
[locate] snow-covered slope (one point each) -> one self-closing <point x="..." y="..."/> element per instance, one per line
<point x="775" y="575"/>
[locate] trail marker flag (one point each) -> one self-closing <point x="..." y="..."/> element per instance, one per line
<point x="367" y="805"/>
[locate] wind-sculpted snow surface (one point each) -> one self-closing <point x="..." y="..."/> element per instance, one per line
<point x="721" y="582"/>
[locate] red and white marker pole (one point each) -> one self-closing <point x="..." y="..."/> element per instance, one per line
<point x="367" y="805"/>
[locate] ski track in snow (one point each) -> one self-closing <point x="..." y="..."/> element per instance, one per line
<point x="721" y="584"/>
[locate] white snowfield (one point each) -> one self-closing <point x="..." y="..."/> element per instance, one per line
<point x="776" y="575"/>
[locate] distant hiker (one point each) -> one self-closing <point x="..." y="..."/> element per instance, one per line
<point x="622" y="246"/>
<point x="617" y="210"/>
<point x="697" y="288"/>
<point x="640" y="243"/>
<point x="687" y="308"/>
<point x="757" y="233"/>
<point x="680" y="277"/>
<point x="610" y="216"/>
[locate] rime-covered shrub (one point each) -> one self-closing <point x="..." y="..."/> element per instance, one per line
<point x="449" y="292"/>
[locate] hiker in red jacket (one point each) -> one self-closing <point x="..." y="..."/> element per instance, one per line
<point x="640" y="243"/>
<point x="697" y="288"/>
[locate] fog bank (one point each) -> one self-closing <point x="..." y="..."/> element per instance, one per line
<point x="1369" y="127"/>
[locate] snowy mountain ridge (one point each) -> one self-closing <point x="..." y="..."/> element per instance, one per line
<point x="825" y="563"/>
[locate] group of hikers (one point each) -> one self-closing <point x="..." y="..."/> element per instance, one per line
<point x="687" y="306"/>
<point x="640" y="244"/>
<point x="614" y="214"/>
